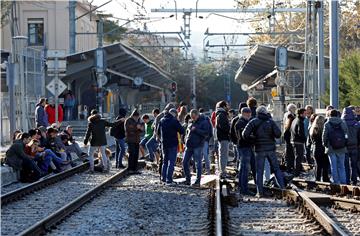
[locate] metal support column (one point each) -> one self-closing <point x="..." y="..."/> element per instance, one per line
<point x="334" y="53"/>
<point x="56" y="72"/>
<point x="321" y="64"/>
<point x="100" y="75"/>
<point x="307" y="29"/>
<point x="193" y="87"/>
<point x="72" y="26"/>
<point x="11" y="86"/>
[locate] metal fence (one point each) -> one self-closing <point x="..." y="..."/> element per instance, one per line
<point x="32" y="72"/>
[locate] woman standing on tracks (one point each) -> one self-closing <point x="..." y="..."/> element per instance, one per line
<point x="321" y="159"/>
<point x="96" y="134"/>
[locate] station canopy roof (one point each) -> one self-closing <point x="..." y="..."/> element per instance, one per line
<point x="260" y="64"/>
<point x="120" y="60"/>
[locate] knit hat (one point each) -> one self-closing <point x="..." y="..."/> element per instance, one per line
<point x="173" y="112"/>
<point x="169" y="106"/>
<point x="261" y="110"/>
<point x="93" y="112"/>
<point x="245" y="110"/>
<point x="135" y="113"/>
<point x="122" y="112"/>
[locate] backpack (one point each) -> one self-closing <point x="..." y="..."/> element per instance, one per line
<point x="337" y="136"/>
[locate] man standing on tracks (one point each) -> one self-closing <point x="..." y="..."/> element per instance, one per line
<point x="265" y="131"/>
<point x="245" y="150"/>
<point x="156" y="134"/>
<point x="133" y="129"/>
<point x="223" y="135"/>
<point x="152" y="144"/>
<point x="118" y="132"/>
<point x="298" y="139"/>
<point x="335" y="137"/>
<point x="351" y="157"/>
<point x="197" y="132"/>
<point x="96" y="134"/>
<point x="168" y="129"/>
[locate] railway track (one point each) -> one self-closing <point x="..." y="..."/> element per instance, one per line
<point x="12" y="193"/>
<point x="117" y="204"/>
<point x="138" y="204"/>
<point x="328" y="188"/>
<point x="30" y="204"/>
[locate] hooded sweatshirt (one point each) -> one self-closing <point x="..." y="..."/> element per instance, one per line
<point x="353" y="126"/>
<point x="96" y="132"/>
<point x="222" y="125"/>
<point x="327" y="132"/>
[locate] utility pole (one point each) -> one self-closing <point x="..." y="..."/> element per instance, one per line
<point x="193" y="85"/>
<point x="321" y="64"/>
<point x="334" y="53"/>
<point x="72" y="26"/>
<point x="100" y="75"/>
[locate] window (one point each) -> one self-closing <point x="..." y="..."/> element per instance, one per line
<point x="36" y="31"/>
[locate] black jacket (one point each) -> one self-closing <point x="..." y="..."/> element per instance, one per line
<point x="168" y="129"/>
<point x="96" y="132"/>
<point x="233" y="133"/>
<point x="317" y="143"/>
<point x="265" y="132"/>
<point x="239" y="128"/>
<point x="222" y="125"/>
<point x="298" y="131"/>
<point x="119" y="128"/>
<point x="15" y="155"/>
<point x="197" y="132"/>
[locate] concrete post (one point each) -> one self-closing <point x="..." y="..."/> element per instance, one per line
<point x="334" y="53"/>
<point x="321" y="64"/>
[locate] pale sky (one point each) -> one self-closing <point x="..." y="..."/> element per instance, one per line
<point x="127" y="9"/>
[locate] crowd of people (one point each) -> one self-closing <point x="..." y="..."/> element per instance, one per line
<point x="328" y="141"/>
<point x="331" y="141"/>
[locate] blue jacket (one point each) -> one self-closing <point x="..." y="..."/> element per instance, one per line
<point x="41" y="118"/>
<point x="197" y="132"/>
<point x="348" y="116"/>
<point x="168" y="128"/>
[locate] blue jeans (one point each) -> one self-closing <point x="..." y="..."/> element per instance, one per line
<point x="120" y="151"/>
<point x="245" y="156"/>
<point x="337" y="162"/>
<point x="205" y="154"/>
<point x="151" y="146"/>
<point x="260" y="162"/>
<point x="351" y="159"/>
<point x="169" y="158"/>
<point x="196" y="153"/>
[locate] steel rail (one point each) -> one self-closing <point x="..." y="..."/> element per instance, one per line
<point x="45" y="224"/>
<point x="341" y="189"/>
<point x="218" y="213"/>
<point x="20" y="192"/>
<point x="296" y="196"/>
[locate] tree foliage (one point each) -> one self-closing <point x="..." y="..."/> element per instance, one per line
<point x="349" y="23"/>
<point x="5" y="12"/>
<point x="113" y="32"/>
<point x="349" y="81"/>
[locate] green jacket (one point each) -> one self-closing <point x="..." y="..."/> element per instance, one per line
<point x="149" y="130"/>
<point x="15" y="155"/>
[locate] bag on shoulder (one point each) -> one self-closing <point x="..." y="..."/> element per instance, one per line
<point x="337" y="136"/>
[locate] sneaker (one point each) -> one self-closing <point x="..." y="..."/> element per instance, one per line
<point x="196" y="185"/>
<point x="90" y="172"/>
<point x="259" y="195"/>
<point x="187" y="182"/>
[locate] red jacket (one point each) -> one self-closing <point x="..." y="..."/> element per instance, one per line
<point x="50" y="111"/>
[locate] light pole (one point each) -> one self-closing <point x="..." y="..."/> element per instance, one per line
<point x="18" y="53"/>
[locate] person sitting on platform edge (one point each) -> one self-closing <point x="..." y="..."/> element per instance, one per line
<point x="19" y="160"/>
